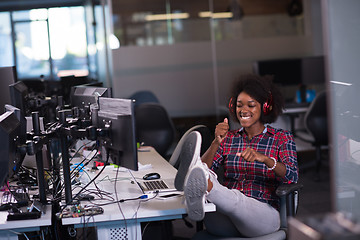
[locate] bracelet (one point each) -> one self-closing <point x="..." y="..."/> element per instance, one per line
<point x="273" y="167"/>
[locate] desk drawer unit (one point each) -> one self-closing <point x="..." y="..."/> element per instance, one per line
<point x="119" y="231"/>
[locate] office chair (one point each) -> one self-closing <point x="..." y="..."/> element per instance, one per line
<point x="205" y="144"/>
<point x="154" y="127"/>
<point x="144" y="96"/>
<point x="316" y="130"/>
<point x="288" y="194"/>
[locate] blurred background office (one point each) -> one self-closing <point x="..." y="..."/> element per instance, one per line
<point x="189" y="52"/>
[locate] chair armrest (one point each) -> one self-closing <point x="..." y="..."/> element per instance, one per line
<point x="286" y="189"/>
<point x="287" y="192"/>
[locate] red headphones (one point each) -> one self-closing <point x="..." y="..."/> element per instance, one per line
<point x="268" y="105"/>
<point x="231" y="105"/>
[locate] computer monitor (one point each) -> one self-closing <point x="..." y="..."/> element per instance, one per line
<point x="313" y="70"/>
<point x="19" y="115"/>
<point x="66" y="82"/>
<point x="7" y="77"/>
<point x="21" y="137"/>
<point x="18" y="94"/>
<point x="93" y="84"/>
<point x="286" y="72"/>
<point x="82" y="96"/>
<point x="9" y="132"/>
<point x="121" y="145"/>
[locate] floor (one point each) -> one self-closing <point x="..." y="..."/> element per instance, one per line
<point x="314" y="197"/>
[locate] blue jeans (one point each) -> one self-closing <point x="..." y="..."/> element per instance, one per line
<point x="238" y="215"/>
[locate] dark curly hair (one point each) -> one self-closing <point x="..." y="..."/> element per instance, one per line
<point x="261" y="88"/>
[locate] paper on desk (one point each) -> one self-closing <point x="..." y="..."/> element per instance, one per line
<point x="144" y="166"/>
<point x="144" y="149"/>
<point x="140" y="166"/>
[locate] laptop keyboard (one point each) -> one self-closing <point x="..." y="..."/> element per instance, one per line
<point x="155" y="184"/>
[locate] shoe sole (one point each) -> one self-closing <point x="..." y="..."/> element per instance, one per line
<point x="189" y="154"/>
<point x="195" y="189"/>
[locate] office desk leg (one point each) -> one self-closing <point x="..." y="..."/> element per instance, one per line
<point x="120" y="231"/>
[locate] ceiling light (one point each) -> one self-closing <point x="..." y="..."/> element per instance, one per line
<point x="215" y="15"/>
<point x="170" y="16"/>
<point x="341" y="83"/>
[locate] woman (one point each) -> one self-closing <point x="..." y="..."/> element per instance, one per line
<point x="257" y="158"/>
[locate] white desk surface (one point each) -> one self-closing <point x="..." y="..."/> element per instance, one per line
<point x="25" y="225"/>
<point x="295" y="110"/>
<point x="135" y="210"/>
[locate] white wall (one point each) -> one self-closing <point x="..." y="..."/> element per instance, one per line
<point x="180" y="75"/>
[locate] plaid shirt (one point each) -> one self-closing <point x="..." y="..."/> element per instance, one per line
<point x="253" y="178"/>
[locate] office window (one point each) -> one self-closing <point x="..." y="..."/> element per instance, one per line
<point x="6" y="47"/>
<point x="68" y="41"/>
<point x="50" y="42"/>
<point x="31" y="43"/>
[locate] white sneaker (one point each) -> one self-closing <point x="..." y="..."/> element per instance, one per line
<point x="195" y="190"/>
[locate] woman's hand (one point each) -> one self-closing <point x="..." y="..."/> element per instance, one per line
<point x="251" y="155"/>
<point x="220" y="133"/>
<point x="221" y="130"/>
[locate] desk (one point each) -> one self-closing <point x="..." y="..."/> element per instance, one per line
<point x="293" y="113"/>
<point x="9" y="229"/>
<point x="112" y="222"/>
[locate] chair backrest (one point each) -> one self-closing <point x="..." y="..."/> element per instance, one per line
<point x="206" y="142"/>
<point x="316" y="119"/>
<point x="154" y="127"/>
<point x="145" y="96"/>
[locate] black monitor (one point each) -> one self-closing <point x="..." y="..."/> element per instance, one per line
<point x="82" y="96"/>
<point x="93" y="84"/>
<point x="20" y="116"/>
<point x="9" y="132"/>
<point x="286" y="72"/>
<point x="313" y="70"/>
<point x="22" y="133"/>
<point x="66" y="82"/>
<point x="18" y="94"/>
<point x="121" y="145"/>
<point x="7" y="77"/>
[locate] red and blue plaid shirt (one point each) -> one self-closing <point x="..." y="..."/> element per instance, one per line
<point x="254" y="179"/>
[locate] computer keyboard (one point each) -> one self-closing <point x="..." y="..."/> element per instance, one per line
<point x="155" y="184"/>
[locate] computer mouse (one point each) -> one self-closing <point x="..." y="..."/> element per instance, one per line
<point x="151" y="176"/>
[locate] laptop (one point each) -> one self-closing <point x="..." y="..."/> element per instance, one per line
<point x="156" y="186"/>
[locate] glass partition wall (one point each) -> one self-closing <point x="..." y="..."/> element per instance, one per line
<point x="162" y="22"/>
<point x="343" y="56"/>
